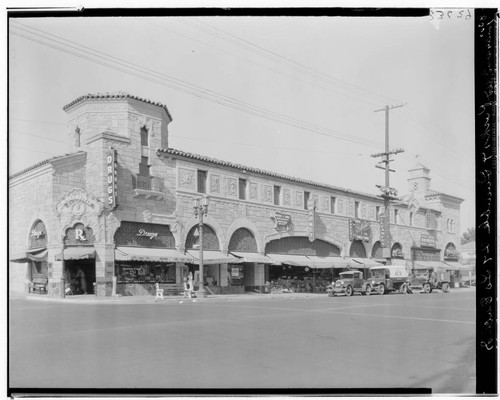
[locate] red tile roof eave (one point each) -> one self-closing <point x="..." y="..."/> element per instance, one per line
<point x="42" y="163"/>
<point x="115" y="96"/>
<point x="262" y="172"/>
<point x="444" y="194"/>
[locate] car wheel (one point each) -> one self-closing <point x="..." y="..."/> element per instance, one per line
<point x="445" y="288"/>
<point x="427" y="288"/>
<point x="403" y="289"/>
<point x="368" y="290"/>
<point x="348" y="291"/>
<point x="381" y="289"/>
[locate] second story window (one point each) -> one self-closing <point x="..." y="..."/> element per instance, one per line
<point x="307" y="196"/>
<point x="144" y="136"/>
<point x="411" y="218"/>
<point x="277" y="192"/>
<point x="356" y="209"/>
<point x="332" y="205"/>
<point x="202" y="181"/>
<point x="144" y="166"/>
<point x="396" y="216"/>
<point x="377" y="213"/>
<point x="242" y="186"/>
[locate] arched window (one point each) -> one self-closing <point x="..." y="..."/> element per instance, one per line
<point x="357" y="249"/>
<point x="77" y="137"/>
<point x="411" y="218"/>
<point x="243" y="240"/>
<point x="144" y="136"/>
<point x="210" y="239"/>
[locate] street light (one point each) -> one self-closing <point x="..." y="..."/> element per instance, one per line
<point x="200" y="210"/>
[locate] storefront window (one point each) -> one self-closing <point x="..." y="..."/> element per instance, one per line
<point x="140" y="272"/>
<point x="235" y="275"/>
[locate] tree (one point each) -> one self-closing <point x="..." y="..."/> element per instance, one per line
<point x="468" y="236"/>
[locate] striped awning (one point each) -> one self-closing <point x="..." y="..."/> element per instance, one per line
<point x="30" y="255"/>
<point x="367" y="262"/>
<point x="150" y="254"/>
<point x="290" y="259"/>
<point x="78" y="253"/>
<point x="457" y="266"/>
<point x="432" y="264"/>
<point x="329" y="262"/>
<point x="212" y="257"/>
<point x="252" y="257"/>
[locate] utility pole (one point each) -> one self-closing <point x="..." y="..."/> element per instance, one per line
<point x="388" y="193"/>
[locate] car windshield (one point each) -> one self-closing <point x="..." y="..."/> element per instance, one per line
<point x="346" y="276"/>
<point x="377" y="273"/>
<point x="420" y="272"/>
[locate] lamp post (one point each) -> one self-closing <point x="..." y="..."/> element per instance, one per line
<point x="200" y="210"/>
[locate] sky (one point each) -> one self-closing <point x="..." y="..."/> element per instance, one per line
<point x="293" y="95"/>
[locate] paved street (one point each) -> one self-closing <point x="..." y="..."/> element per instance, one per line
<point x="391" y="341"/>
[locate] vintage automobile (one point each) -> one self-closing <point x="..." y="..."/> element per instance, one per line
<point x="349" y="282"/>
<point x="388" y="278"/>
<point x="427" y="279"/>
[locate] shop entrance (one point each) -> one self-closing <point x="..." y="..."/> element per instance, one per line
<point x="80" y="274"/>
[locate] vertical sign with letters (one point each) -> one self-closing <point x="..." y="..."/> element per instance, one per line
<point x="111" y="174"/>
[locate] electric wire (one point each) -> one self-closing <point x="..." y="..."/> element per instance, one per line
<point x="159" y="78"/>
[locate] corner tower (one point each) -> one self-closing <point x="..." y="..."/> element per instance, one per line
<point x="133" y="126"/>
<point x="419" y="182"/>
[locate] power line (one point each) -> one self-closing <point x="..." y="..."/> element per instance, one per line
<point x="31" y="134"/>
<point x="156" y="77"/>
<point x="275" y="57"/>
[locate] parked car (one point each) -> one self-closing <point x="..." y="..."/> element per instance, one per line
<point x="388" y="278"/>
<point x="349" y="282"/>
<point x="429" y="278"/>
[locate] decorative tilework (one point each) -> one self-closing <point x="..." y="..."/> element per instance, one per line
<point x="371" y="214"/>
<point x="214" y="183"/>
<point x="253" y="191"/>
<point x="351" y="207"/>
<point x="325" y="204"/>
<point x="268" y="194"/>
<point x="232" y="187"/>
<point x="187" y="178"/>
<point x="299" y="199"/>
<point x="340" y="206"/>
<point x="363" y="211"/>
<point x="286" y="197"/>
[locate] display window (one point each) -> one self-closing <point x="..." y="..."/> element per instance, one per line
<point x="140" y="272"/>
<point x="235" y="274"/>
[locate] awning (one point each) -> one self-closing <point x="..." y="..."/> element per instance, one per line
<point x="329" y="262"/>
<point x="295" y="260"/>
<point x="252" y="257"/>
<point x="431" y="264"/>
<point x="150" y="254"/>
<point x="78" y="253"/>
<point x="367" y="262"/>
<point x="399" y="262"/>
<point x="39" y="255"/>
<point x="212" y="257"/>
<point x="30" y="255"/>
<point x="457" y="266"/>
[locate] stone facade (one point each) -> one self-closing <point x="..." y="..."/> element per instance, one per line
<point x="158" y="187"/>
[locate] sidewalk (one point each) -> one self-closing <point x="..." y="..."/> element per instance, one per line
<point x="91" y="299"/>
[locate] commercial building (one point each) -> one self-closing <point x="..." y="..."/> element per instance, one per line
<point x="118" y="210"/>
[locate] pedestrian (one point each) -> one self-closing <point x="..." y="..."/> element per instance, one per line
<point x="80" y="275"/>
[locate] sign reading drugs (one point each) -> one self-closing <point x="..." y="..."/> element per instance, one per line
<point x="111" y="174"/>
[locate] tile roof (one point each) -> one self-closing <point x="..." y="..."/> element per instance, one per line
<point x="175" y="152"/>
<point x="115" y="95"/>
<point x="42" y="163"/>
<point x="434" y="193"/>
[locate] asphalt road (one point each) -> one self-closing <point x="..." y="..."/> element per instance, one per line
<point x="317" y="342"/>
